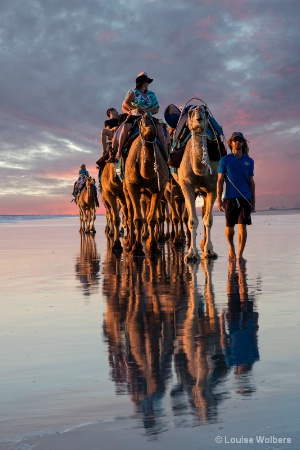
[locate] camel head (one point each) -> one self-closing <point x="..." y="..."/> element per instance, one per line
<point x="147" y="127"/>
<point x="197" y="119"/>
<point x="90" y="181"/>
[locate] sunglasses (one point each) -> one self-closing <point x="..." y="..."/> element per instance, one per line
<point x="237" y="139"/>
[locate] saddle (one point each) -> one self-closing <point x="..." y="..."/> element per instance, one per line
<point x="119" y="164"/>
<point x="178" y="120"/>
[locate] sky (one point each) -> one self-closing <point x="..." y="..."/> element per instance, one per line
<point x="65" y="62"/>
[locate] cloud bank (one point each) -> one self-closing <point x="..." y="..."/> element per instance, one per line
<point x="64" y="62"/>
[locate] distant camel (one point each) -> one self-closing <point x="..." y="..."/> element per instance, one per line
<point x="197" y="174"/>
<point x="146" y="170"/>
<point x="86" y="203"/>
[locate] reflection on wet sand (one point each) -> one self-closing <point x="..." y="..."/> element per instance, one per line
<point x="138" y="335"/>
<point x="88" y="264"/>
<point x="164" y="334"/>
<point x="199" y="361"/>
<point x="239" y="325"/>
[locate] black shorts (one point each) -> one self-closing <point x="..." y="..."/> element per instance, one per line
<point x="237" y="210"/>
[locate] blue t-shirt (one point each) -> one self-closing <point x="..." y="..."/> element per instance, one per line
<point x="83" y="173"/>
<point x="239" y="171"/>
<point x="242" y="347"/>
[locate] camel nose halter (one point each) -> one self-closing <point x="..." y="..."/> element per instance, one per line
<point x="144" y="141"/>
<point x="203" y="137"/>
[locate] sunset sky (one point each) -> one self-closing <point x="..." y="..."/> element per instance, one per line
<point x="64" y="62"/>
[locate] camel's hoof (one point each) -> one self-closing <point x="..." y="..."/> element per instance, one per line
<point x="152" y="247"/>
<point x="209" y="255"/>
<point x="117" y="248"/>
<point x="155" y="251"/>
<point x="139" y="253"/>
<point x="190" y="257"/>
<point x="137" y="250"/>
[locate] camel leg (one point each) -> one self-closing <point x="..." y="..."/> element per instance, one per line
<point x="144" y="205"/>
<point x="193" y="221"/>
<point x="123" y="208"/>
<point x="92" y="220"/>
<point x="179" y="208"/>
<point x="208" y="251"/>
<point x="109" y="229"/>
<point x="174" y="217"/>
<point x="81" y="221"/>
<point x="117" y="247"/>
<point x="130" y="236"/>
<point x="151" y="244"/>
<point x="160" y="223"/>
<point x="87" y="220"/>
<point x="111" y="200"/>
<point x="134" y="211"/>
<point x="168" y="221"/>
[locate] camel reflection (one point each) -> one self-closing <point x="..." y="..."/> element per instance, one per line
<point x="156" y="316"/>
<point x="199" y="361"/>
<point x="239" y="325"/>
<point x="139" y="335"/>
<point x="88" y="264"/>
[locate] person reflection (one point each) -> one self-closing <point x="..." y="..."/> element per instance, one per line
<point x="199" y="360"/>
<point x="239" y="325"/>
<point x="88" y="264"/>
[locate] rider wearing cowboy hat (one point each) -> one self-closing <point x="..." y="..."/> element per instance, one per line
<point x="137" y="102"/>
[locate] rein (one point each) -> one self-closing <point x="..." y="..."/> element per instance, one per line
<point x="202" y="135"/>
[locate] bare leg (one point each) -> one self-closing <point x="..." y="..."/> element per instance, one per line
<point x="105" y="133"/>
<point x="229" y="233"/>
<point x="114" y="143"/>
<point x="123" y="136"/>
<point x="242" y="238"/>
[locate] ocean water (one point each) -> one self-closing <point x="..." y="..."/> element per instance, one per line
<point x="24" y="218"/>
<point x="148" y="352"/>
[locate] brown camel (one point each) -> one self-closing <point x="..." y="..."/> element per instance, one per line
<point x="113" y="197"/>
<point x="86" y="203"/>
<point x="146" y="171"/>
<point x="197" y="174"/>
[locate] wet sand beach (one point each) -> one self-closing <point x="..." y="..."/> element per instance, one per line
<point x="99" y="352"/>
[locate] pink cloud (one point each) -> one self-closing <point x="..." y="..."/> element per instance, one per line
<point x="153" y="56"/>
<point x="106" y="37"/>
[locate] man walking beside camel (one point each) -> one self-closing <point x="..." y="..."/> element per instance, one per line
<point x="237" y="170"/>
